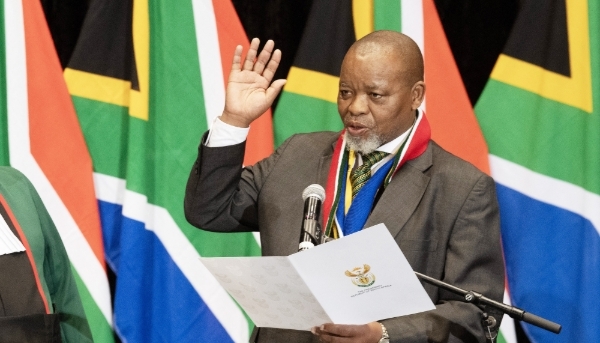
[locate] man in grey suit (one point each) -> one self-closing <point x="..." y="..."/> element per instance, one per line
<point x="441" y="210"/>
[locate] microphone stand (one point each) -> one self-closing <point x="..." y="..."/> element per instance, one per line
<point x="478" y="298"/>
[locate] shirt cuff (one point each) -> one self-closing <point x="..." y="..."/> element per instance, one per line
<point x="223" y="134"/>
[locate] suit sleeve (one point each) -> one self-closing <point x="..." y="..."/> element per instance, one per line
<point x="473" y="262"/>
<point x="221" y="195"/>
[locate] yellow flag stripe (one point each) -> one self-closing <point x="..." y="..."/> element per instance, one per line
<point x="313" y="84"/>
<point x="141" y="46"/>
<point x="97" y="87"/>
<point x="116" y="91"/>
<point x="576" y="90"/>
<point x="362" y="12"/>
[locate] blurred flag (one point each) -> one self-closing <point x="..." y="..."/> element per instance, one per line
<point x="309" y="99"/>
<point x="147" y="79"/>
<point x="41" y="137"/>
<point x="540" y="114"/>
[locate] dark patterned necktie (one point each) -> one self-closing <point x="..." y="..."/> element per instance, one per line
<point x="361" y="175"/>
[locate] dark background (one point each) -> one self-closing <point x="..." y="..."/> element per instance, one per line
<point x="476" y="31"/>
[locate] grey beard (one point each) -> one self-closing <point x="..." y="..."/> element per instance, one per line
<point x="363" y="146"/>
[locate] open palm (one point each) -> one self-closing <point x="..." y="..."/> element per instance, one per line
<point x="249" y="89"/>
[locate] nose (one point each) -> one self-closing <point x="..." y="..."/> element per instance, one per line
<point x="358" y="106"/>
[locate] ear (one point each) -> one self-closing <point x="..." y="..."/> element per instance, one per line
<point x="417" y="94"/>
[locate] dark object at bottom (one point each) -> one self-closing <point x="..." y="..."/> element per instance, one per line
<point x="33" y="328"/>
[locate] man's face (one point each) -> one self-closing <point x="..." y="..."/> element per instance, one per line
<point x="374" y="102"/>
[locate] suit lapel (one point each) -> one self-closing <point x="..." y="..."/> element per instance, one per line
<point x="401" y="197"/>
<point x="325" y="164"/>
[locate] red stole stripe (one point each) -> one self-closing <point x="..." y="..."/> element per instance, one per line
<point x="417" y="145"/>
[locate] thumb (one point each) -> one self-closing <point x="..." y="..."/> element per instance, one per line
<point x="275" y="88"/>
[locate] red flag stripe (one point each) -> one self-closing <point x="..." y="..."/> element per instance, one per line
<point x="231" y="34"/>
<point x="453" y="122"/>
<point x="57" y="143"/>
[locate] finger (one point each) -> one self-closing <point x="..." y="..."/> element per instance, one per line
<point x="342" y="330"/>
<point x="249" y="61"/>
<point x="370" y="332"/>
<point x="264" y="56"/>
<point x="328" y="338"/>
<point x="275" y="89"/>
<point x="322" y="335"/>
<point x="237" y="58"/>
<point x="272" y="66"/>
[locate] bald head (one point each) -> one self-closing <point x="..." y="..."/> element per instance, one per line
<point x="396" y="45"/>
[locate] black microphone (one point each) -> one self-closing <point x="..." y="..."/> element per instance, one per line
<point x="310" y="235"/>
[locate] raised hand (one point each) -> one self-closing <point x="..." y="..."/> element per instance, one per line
<point x="249" y="89"/>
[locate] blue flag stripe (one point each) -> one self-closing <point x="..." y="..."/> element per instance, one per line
<point x="546" y="249"/>
<point x="147" y="274"/>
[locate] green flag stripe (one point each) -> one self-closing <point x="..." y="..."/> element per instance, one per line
<point x="387" y="15"/>
<point x="107" y="129"/>
<point x="214" y="244"/>
<point x="176" y="106"/>
<point x="177" y="123"/>
<point x="101" y="329"/>
<point x="555" y="148"/>
<point x="304" y="114"/>
<point x="103" y="151"/>
<point x="500" y="338"/>
<point x="155" y="156"/>
<point x="104" y="126"/>
<point x="322" y="48"/>
<point x="563" y="142"/>
<point x="4" y="157"/>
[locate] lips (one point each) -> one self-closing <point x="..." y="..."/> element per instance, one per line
<point x="356" y="129"/>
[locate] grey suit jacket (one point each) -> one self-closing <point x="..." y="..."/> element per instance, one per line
<point x="441" y="210"/>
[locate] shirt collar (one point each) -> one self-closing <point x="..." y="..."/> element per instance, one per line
<point x="392" y="146"/>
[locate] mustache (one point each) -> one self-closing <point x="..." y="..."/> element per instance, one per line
<point x="356" y="123"/>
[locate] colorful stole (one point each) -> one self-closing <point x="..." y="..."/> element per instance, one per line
<point x="357" y="215"/>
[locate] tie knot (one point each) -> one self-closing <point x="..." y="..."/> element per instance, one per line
<point x="372" y="158"/>
<point x="362" y="174"/>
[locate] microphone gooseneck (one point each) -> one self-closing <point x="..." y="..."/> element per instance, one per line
<point x="310" y="234"/>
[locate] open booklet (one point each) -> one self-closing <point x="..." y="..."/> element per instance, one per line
<point x="358" y="279"/>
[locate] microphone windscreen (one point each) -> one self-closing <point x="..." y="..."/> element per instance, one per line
<point x="314" y="190"/>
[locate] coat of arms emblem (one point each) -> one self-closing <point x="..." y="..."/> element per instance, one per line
<point x="361" y="276"/>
